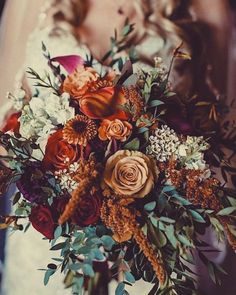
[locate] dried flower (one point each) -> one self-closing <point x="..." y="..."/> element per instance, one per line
<point x="87" y="177"/>
<point x="135" y="101"/>
<point x="130" y="173"/>
<point x="79" y="130"/>
<point x="122" y="221"/>
<point x="116" y="129"/>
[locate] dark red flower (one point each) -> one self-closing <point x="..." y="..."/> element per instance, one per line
<point x="42" y="220"/>
<point x="12" y="123"/>
<point x="59" y="154"/>
<point x="88" y="211"/>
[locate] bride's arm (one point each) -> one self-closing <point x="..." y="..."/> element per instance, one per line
<point x="19" y="19"/>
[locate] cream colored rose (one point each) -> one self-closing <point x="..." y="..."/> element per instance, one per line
<point x="130" y="173"/>
<point x="116" y="129"/>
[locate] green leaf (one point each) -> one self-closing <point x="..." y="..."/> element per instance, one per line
<point x="75" y="266"/>
<point x="143" y="129"/>
<point x="226" y="211"/>
<point x="120" y="289"/>
<point x="156" y="103"/>
<point x="167" y="220"/>
<point x="133" y="145"/>
<point x="98" y="254"/>
<point x="129" y="277"/>
<point x="161" y="238"/>
<point x="108" y="242"/>
<point x="196" y="216"/>
<point x="181" y="200"/>
<point x="58" y="232"/>
<point x="184" y="240"/>
<point x="47" y="276"/>
<point x="232" y="201"/>
<point x="150" y="206"/>
<point x="168" y="188"/>
<point x="58" y="246"/>
<point x="88" y="270"/>
<point x="171" y="235"/>
<point x="169" y="94"/>
<point x="16" y="198"/>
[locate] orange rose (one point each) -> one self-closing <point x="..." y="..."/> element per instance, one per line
<point x="59" y="154"/>
<point x="104" y="104"/>
<point x="117" y="129"/>
<point x="78" y="83"/>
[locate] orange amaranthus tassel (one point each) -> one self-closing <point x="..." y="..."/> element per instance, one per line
<point x="117" y="216"/>
<point x="87" y="177"/>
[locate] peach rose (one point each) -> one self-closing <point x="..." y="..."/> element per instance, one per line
<point x="78" y="83"/>
<point x="116" y="129"/>
<point x="130" y="173"/>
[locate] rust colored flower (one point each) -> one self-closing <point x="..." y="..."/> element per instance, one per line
<point x="116" y="129"/>
<point x="59" y="154"/>
<point x="79" y="82"/>
<point x="130" y="173"/>
<point x="79" y="130"/>
<point x="104" y="103"/>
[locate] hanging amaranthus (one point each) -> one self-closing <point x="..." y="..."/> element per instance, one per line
<point x="87" y="176"/>
<point x="117" y="216"/>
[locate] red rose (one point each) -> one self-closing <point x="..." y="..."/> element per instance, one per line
<point x="42" y="220"/>
<point x="59" y="154"/>
<point x="88" y="211"/>
<point x="12" y="123"/>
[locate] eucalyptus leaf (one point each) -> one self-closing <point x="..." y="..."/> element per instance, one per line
<point x="108" y="242"/>
<point x="156" y="103"/>
<point x="88" y="270"/>
<point x="58" y="246"/>
<point x="226" y="211"/>
<point x="150" y="206"/>
<point x="120" y="289"/>
<point x="133" y="145"/>
<point x="196" y="216"/>
<point x="129" y="277"/>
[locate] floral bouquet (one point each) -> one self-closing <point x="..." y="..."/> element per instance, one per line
<point x="111" y="180"/>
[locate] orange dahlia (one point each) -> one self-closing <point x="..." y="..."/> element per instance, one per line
<point x="79" y="130"/>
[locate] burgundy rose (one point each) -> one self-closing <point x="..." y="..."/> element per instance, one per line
<point x="42" y="220"/>
<point x="88" y="211"/>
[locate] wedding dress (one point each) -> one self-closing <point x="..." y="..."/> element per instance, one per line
<point x="26" y="253"/>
